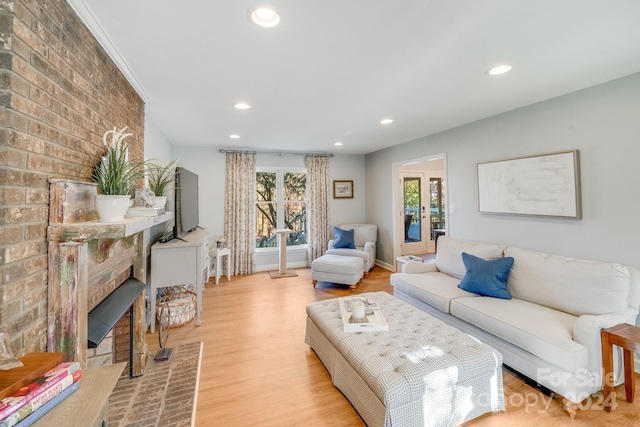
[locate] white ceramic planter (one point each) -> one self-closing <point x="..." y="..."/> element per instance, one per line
<point x="112" y="208"/>
<point x="159" y="201"/>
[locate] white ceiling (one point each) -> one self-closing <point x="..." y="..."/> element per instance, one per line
<point x="333" y="69"/>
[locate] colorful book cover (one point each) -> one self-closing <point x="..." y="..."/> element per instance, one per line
<point x="38" y="413"/>
<point x="41" y="399"/>
<point x="26" y="394"/>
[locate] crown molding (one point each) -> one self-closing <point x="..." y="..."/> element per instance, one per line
<point x="92" y="23"/>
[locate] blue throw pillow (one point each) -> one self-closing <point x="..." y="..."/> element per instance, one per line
<point x="488" y="278"/>
<point x="344" y="238"/>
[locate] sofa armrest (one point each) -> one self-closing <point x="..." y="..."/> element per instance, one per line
<point x="370" y="248"/>
<point x="586" y="331"/>
<point x="415" y="267"/>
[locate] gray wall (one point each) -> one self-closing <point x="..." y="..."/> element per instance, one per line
<point x="603" y="122"/>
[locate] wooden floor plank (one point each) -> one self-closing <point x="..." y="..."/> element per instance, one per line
<point x="257" y="371"/>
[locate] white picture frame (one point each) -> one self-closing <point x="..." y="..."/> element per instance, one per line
<point x="542" y="185"/>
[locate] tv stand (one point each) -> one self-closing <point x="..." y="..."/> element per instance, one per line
<point x="181" y="261"/>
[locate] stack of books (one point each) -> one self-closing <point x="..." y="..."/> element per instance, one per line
<point x="32" y="401"/>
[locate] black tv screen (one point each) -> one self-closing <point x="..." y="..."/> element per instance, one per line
<point x="186" y="216"/>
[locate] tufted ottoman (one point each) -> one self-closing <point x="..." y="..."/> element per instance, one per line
<point x="346" y="270"/>
<point x="421" y="372"/>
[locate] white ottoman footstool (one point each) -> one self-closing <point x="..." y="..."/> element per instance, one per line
<point x="345" y="270"/>
<point x="421" y="372"/>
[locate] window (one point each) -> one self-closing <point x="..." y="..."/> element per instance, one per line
<point x="281" y="203"/>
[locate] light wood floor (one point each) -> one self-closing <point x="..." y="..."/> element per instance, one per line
<point x="257" y="370"/>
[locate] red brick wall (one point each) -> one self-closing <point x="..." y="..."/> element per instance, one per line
<point x="59" y="93"/>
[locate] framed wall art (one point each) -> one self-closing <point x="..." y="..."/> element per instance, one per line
<point x="342" y="189"/>
<point x="546" y="185"/>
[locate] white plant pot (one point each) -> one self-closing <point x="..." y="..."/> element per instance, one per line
<point x="159" y="201"/>
<point x="112" y="208"/>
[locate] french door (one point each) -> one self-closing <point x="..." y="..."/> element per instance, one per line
<point x="424" y="212"/>
<point x="416" y="213"/>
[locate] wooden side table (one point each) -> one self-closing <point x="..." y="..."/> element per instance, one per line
<point x="625" y="336"/>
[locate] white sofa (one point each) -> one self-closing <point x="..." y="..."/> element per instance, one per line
<point x="365" y="237"/>
<point x="550" y="329"/>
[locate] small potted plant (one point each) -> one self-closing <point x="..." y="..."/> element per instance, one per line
<point x="160" y="176"/>
<point x="116" y="177"/>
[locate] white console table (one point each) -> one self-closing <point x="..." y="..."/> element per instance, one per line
<point x="178" y="262"/>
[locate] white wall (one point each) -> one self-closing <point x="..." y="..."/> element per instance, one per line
<point x="156" y="144"/>
<point x="603" y="122"/>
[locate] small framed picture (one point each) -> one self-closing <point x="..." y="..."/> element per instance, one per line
<point x="343" y="189"/>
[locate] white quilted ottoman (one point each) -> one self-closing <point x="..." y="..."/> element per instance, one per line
<point x="345" y="270"/>
<point x="421" y="372"/>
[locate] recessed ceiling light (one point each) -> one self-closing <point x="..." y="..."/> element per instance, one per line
<point x="386" y="121"/>
<point x="242" y="106"/>
<point x="264" y="17"/>
<point x="337" y="143"/>
<point x="500" y="69"/>
<point x="234" y="136"/>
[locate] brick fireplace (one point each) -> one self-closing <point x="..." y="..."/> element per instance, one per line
<point x="89" y="262"/>
<point x="60" y="92"/>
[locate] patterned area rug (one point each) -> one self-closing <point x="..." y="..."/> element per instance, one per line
<point x="165" y="395"/>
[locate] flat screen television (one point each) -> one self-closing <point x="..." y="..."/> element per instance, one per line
<point x="186" y="215"/>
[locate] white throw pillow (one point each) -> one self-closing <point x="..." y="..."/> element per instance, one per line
<point x="449" y="255"/>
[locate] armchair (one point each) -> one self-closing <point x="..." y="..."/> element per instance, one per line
<point x="365" y="237"/>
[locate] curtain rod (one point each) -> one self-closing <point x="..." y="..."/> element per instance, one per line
<point x="279" y="153"/>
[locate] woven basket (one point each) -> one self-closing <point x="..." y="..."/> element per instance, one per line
<point x="182" y="307"/>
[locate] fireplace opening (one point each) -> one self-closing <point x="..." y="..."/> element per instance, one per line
<point x="104" y="317"/>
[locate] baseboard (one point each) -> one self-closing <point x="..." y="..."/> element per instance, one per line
<point x="302" y="264"/>
<point x="385" y="265"/>
<point x="298" y="264"/>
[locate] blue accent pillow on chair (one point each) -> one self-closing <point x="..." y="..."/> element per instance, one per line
<point x="344" y="238"/>
<point x="486" y="277"/>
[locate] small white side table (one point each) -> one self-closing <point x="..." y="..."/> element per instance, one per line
<point x="405" y="259"/>
<point x="218" y="255"/>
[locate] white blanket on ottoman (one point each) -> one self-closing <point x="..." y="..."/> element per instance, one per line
<point x="421" y="372"/>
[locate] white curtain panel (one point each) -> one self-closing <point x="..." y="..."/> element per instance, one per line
<point x="319" y="231"/>
<point x="240" y="210"/>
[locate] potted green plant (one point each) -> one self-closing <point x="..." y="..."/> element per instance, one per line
<point x="160" y="176"/>
<point x="116" y="177"/>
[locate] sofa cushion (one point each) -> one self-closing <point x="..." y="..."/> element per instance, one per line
<point x="486" y="277"/>
<point x="548" y="337"/>
<point x="436" y="289"/>
<point x="449" y="255"/>
<point x="337" y="264"/>
<point x="344" y="238"/>
<point x="572" y="285"/>
<point x="357" y="252"/>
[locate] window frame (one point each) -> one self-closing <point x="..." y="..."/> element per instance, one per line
<point x="280" y="201"/>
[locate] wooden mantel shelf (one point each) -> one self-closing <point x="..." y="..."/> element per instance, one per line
<point x="89" y="230"/>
